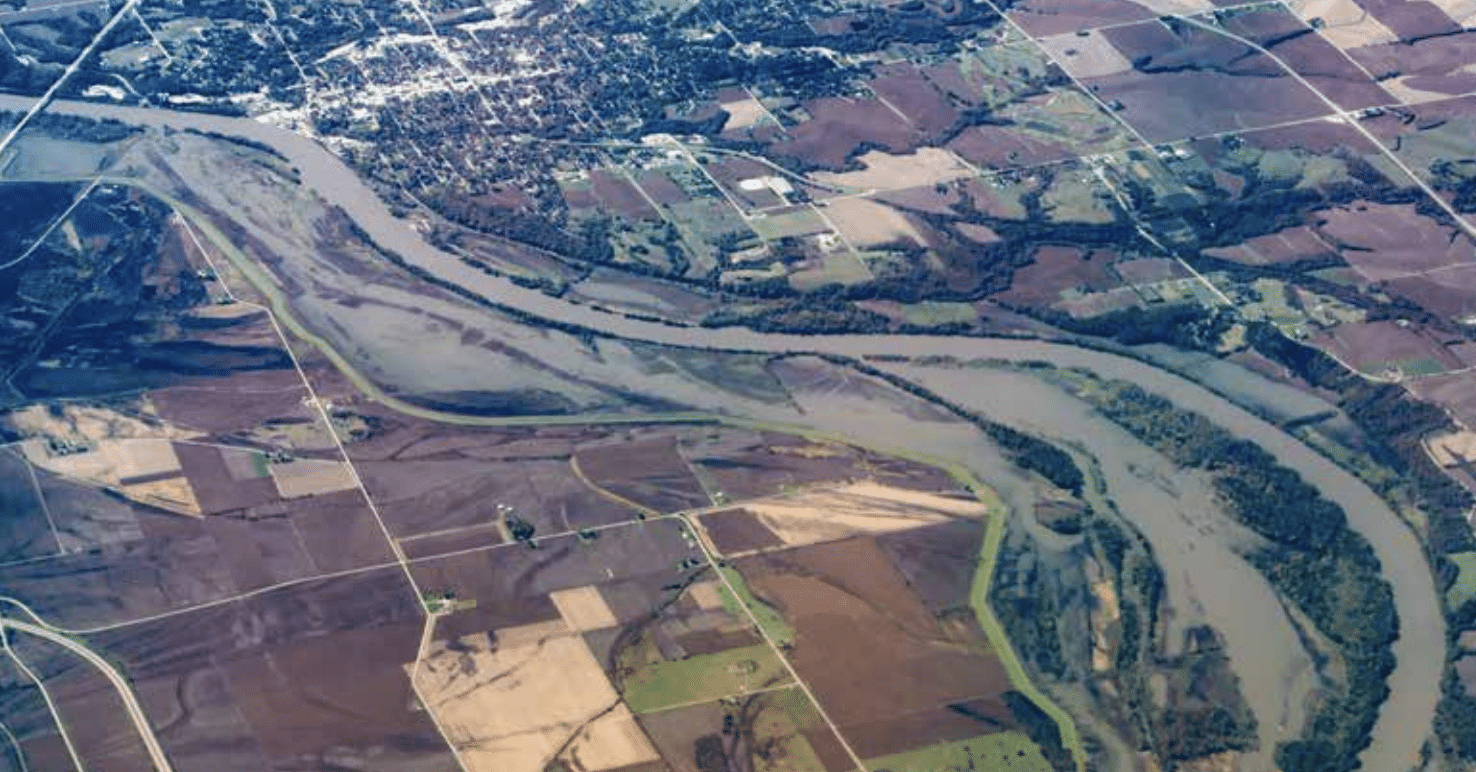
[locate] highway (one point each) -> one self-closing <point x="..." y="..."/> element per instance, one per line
<point x="120" y="684"/>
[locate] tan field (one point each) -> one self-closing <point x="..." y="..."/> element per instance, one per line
<point x="866" y="223"/>
<point x="1086" y="57"/>
<point x="1462" y="11"/>
<point x="107" y="462"/>
<point x="173" y="494"/>
<point x="743" y="114"/>
<point x="707" y="595"/>
<point x="583" y="609"/>
<point x="838" y="512"/>
<point x="884" y="171"/>
<point x="1399" y="88"/>
<point x="1104" y="615"/>
<point x="1346" y="25"/>
<point x="311" y="477"/>
<point x="80" y="423"/>
<point x="145" y="470"/>
<point x="1452" y="449"/>
<point x="515" y="708"/>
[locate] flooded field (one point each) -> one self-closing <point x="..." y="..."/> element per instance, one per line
<point x="368" y="313"/>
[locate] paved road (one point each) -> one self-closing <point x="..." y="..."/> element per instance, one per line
<point x="120" y="684"/>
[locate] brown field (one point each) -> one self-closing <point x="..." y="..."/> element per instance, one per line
<point x="1053" y="17"/>
<point x="27" y="532"/>
<point x="1384" y="241"/>
<point x="938" y="561"/>
<point x="1371" y="346"/>
<point x="469" y="538"/>
<point x="661" y="188"/>
<point x="1150" y="269"/>
<point x="340" y="532"/>
<point x="737" y="530"/>
<point x="509" y="586"/>
<point x="255" y="399"/>
<point x="1450" y="293"/>
<point x="1230" y="86"/>
<point x="911" y="666"/>
<point x="260" y="553"/>
<point x="839" y="125"/>
<point x="648" y="471"/>
<point x="1311" y="56"/>
<point x="924" y="198"/>
<point x="1056" y="269"/>
<point x="770" y="731"/>
<point x="429" y="478"/>
<point x="620" y="196"/>
<point x="1456" y="392"/>
<point x="1000" y="147"/>
<point x="744" y="464"/>
<point x="88" y="706"/>
<point x="174" y="564"/>
<point x="1291" y="245"/>
<point x="904" y="87"/>
<point x="225" y="479"/>
<point x="304" y="677"/>
<point x="87" y="517"/>
<point x="731" y="171"/>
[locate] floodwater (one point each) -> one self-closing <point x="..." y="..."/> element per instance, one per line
<point x="1406" y="717"/>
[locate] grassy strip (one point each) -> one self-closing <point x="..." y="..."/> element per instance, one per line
<point x="705" y="678"/>
<point x="778" y="630"/>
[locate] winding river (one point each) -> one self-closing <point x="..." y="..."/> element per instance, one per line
<point x="1406" y="718"/>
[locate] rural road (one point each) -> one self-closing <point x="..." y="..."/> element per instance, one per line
<point x="1405" y="720"/>
<point x="125" y="691"/>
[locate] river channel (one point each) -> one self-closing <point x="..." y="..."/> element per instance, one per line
<point x="1406" y="717"/>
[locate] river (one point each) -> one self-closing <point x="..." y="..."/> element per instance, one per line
<point x="1406" y="717"/>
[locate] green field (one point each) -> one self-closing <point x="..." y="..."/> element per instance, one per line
<point x="774" y="625"/>
<point x="1005" y="750"/>
<point x="704" y="678"/>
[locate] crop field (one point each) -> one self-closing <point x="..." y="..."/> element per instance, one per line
<point x="87" y="706"/>
<point x="1311" y="56"/>
<point x="775" y="731"/>
<point x="838" y="126"/>
<point x="887" y="697"/>
<point x="1056" y="271"/>
<point x="650" y="472"/>
<point x="509" y="585"/>
<point x="1372" y="347"/>
<point x="288" y="678"/>
<point x="1166" y="97"/>
<point x="744" y="464"/>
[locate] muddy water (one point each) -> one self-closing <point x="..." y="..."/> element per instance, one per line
<point x="1406" y="717"/>
<point x="1206" y="582"/>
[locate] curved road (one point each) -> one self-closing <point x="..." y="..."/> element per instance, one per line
<point x="120" y="684"/>
<point x="1407" y="715"/>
